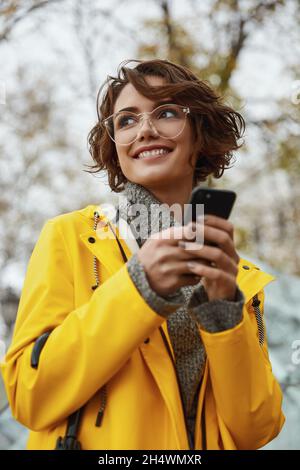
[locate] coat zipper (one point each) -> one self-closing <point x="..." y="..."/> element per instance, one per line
<point x="259" y="319"/>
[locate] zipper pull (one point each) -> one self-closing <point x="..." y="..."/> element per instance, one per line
<point x="102" y="407"/>
<point x="99" y="418"/>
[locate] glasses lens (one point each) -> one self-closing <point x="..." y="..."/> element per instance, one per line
<point x="125" y="125"/>
<point x="168" y="121"/>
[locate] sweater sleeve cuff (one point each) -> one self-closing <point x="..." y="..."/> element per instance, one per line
<point x="164" y="306"/>
<point x="216" y="315"/>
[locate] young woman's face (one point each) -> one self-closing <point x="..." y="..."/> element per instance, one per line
<point x="172" y="168"/>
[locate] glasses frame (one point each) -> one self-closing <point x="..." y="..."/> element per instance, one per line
<point x="185" y="109"/>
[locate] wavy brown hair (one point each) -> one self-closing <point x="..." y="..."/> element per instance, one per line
<point x="216" y="127"/>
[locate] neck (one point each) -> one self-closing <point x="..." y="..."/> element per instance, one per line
<point x="176" y="194"/>
<point x="160" y="198"/>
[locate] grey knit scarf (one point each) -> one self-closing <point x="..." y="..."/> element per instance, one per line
<point x="183" y="330"/>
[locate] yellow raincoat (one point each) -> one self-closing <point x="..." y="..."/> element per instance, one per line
<point x="99" y="338"/>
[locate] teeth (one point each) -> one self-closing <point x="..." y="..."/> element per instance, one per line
<point x="153" y="153"/>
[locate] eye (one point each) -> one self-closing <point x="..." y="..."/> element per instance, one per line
<point x="124" y="120"/>
<point x="167" y="113"/>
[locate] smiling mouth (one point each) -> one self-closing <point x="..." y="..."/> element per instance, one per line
<point x="152" y="154"/>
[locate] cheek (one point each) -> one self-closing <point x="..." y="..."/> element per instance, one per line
<point x="185" y="145"/>
<point x="122" y="155"/>
<point x="125" y="162"/>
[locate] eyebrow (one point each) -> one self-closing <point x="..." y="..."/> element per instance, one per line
<point x="135" y="108"/>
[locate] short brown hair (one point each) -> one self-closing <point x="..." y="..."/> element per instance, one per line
<point x="216" y="127"/>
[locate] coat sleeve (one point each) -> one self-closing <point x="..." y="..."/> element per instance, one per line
<point x="87" y="345"/>
<point x="248" y="397"/>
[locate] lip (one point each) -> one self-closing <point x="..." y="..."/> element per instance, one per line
<point x="150" y="147"/>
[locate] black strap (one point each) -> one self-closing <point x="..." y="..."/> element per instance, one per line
<point x="37" y="349"/>
<point x="69" y="441"/>
<point x="125" y="259"/>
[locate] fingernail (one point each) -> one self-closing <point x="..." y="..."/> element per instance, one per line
<point x="191" y="264"/>
<point x="201" y="218"/>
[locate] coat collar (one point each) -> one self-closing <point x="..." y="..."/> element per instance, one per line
<point x="102" y="242"/>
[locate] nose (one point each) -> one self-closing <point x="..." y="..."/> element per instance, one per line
<point x="146" y="130"/>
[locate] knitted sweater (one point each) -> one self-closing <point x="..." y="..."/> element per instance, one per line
<point x="185" y="309"/>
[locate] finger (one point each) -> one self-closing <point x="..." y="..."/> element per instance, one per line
<point x="222" y="224"/>
<point x="211" y="254"/>
<point x="172" y="235"/>
<point x="181" y="273"/>
<point x="210" y="273"/>
<point x="176" y="267"/>
<point x="214" y="235"/>
<point x="222" y="239"/>
<point x="191" y="249"/>
<point x="218" y="222"/>
<point x="175" y="254"/>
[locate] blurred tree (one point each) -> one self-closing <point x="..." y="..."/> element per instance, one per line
<point x="14" y="11"/>
<point x="210" y="39"/>
<point x="232" y="24"/>
<point x="40" y="165"/>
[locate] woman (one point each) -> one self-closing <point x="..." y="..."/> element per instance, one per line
<point x="158" y="346"/>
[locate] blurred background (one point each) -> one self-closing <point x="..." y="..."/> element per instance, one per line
<point x="55" y="54"/>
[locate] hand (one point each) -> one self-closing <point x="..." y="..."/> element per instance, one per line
<point x="165" y="263"/>
<point x="219" y="279"/>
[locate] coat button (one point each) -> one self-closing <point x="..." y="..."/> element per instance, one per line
<point x="147" y="340"/>
<point x="246" y="267"/>
<point x="91" y="239"/>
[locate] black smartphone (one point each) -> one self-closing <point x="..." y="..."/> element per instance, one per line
<point x="218" y="202"/>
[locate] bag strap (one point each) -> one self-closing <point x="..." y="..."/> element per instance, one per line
<point x="69" y="441"/>
<point x="37" y="349"/>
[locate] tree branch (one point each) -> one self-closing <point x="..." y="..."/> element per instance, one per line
<point x="4" y="35"/>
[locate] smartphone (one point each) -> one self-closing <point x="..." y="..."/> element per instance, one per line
<point x="218" y="202"/>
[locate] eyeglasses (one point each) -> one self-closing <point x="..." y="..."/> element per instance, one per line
<point x="167" y="120"/>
